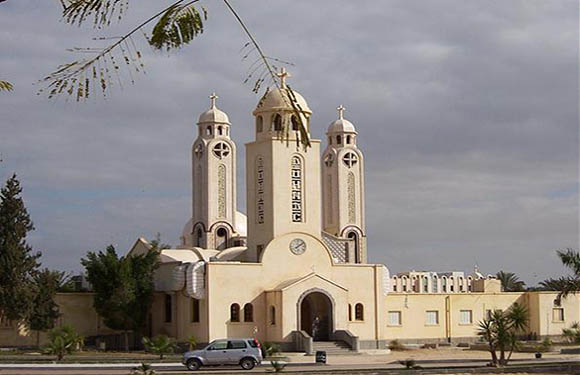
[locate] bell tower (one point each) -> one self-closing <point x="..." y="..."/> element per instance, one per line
<point x="343" y="187"/>
<point x="214" y="182"/>
<point x="282" y="176"/>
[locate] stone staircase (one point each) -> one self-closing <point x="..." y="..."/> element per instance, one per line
<point x="333" y="348"/>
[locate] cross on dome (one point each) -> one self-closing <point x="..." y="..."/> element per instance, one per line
<point x="213" y="97"/>
<point x="283" y="75"/>
<point x="340" y="110"/>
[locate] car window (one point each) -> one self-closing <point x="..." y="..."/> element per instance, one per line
<point x="237" y="344"/>
<point x="219" y="345"/>
<point x="253" y="343"/>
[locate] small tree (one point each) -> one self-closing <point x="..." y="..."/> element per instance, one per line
<point x="192" y="342"/>
<point x="18" y="264"/>
<point x="63" y="340"/>
<point x="160" y="345"/>
<point x="45" y="311"/>
<point x="123" y="288"/>
<point x="500" y="330"/>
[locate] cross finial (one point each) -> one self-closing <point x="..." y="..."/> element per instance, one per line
<point x="340" y="110"/>
<point x="283" y="75"/>
<point x="213" y="97"/>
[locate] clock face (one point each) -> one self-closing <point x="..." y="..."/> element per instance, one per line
<point x="297" y="246"/>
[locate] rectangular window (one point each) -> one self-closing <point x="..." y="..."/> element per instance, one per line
<point x="558" y="314"/>
<point x="194" y="310"/>
<point x="168" y="308"/>
<point x="432" y="318"/>
<point x="394" y="318"/>
<point x="465" y="317"/>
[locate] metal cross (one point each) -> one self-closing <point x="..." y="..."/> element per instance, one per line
<point x="213" y="97"/>
<point x="283" y="75"/>
<point x="221" y="150"/>
<point x="340" y="111"/>
<point x="349" y="159"/>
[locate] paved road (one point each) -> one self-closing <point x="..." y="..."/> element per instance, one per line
<point x="432" y="367"/>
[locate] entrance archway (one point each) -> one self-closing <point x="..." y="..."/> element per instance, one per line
<point x="316" y="315"/>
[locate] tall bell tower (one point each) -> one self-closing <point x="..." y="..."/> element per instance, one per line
<point x="282" y="176"/>
<point x="343" y="187"/>
<point x="214" y="182"/>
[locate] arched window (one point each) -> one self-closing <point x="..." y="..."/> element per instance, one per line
<point x="194" y="310"/>
<point x="394" y="283"/>
<point x="359" y="313"/>
<point x="444" y="284"/>
<point x="248" y="312"/>
<point x="348" y="139"/>
<point x="259" y="124"/>
<point x="435" y="286"/>
<point x="353" y="236"/>
<point x="221" y="238"/>
<point x="277" y="122"/>
<point x="404" y="283"/>
<point x="415" y="284"/>
<point x="168" y="308"/>
<point x="426" y="284"/>
<point x="234" y="312"/>
<point x="451" y="289"/>
<point x="338" y="139"/>
<point x="198" y="238"/>
<point x="294" y="121"/>
<point x="208" y="130"/>
<point x="220" y="130"/>
<point x="349" y="312"/>
<point x="272" y="315"/>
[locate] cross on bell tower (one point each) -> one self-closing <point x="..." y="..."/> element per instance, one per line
<point x="213" y="98"/>
<point x="340" y="110"/>
<point x="283" y="75"/>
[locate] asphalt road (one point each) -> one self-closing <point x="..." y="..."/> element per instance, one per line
<point x="428" y="367"/>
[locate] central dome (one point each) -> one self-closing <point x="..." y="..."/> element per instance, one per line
<point x="281" y="99"/>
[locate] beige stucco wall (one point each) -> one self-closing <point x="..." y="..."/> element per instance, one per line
<point x="77" y="311"/>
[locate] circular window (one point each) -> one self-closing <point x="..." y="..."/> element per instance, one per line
<point x="350" y="159"/>
<point x="221" y="150"/>
<point x="329" y="159"/>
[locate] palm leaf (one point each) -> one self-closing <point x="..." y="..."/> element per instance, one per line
<point x="101" y="11"/>
<point x="177" y="27"/>
<point x="6" y="86"/>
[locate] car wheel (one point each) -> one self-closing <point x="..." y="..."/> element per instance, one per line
<point x="247" y="363"/>
<point x="193" y="364"/>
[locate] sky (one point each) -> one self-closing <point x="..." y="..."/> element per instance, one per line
<point x="467" y="114"/>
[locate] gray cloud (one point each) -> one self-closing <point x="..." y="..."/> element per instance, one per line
<point x="467" y="113"/>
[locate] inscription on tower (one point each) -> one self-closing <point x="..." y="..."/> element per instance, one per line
<point x="296" y="175"/>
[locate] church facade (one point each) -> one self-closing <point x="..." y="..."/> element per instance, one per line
<point x="295" y="269"/>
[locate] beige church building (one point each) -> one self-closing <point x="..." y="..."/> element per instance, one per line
<point x="294" y="270"/>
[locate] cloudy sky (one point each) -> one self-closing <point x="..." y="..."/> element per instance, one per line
<point x="467" y="113"/>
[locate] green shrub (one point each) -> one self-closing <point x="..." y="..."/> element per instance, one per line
<point x="143" y="369"/>
<point x="395" y="345"/>
<point x="572" y="334"/>
<point x="63" y="340"/>
<point x="160" y="345"/>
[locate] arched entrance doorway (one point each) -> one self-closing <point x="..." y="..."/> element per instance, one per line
<point x="316" y="316"/>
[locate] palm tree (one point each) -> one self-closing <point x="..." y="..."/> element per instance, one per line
<point x="510" y="282"/>
<point x="570" y="284"/>
<point x="501" y="330"/>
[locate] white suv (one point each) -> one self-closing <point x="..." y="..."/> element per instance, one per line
<point x="244" y="352"/>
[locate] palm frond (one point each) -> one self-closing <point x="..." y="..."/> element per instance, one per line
<point x="177" y="26"/>
<point x="101" y="11"/>
<point x="6" y="86"/>
<point x="571" y="259"/>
